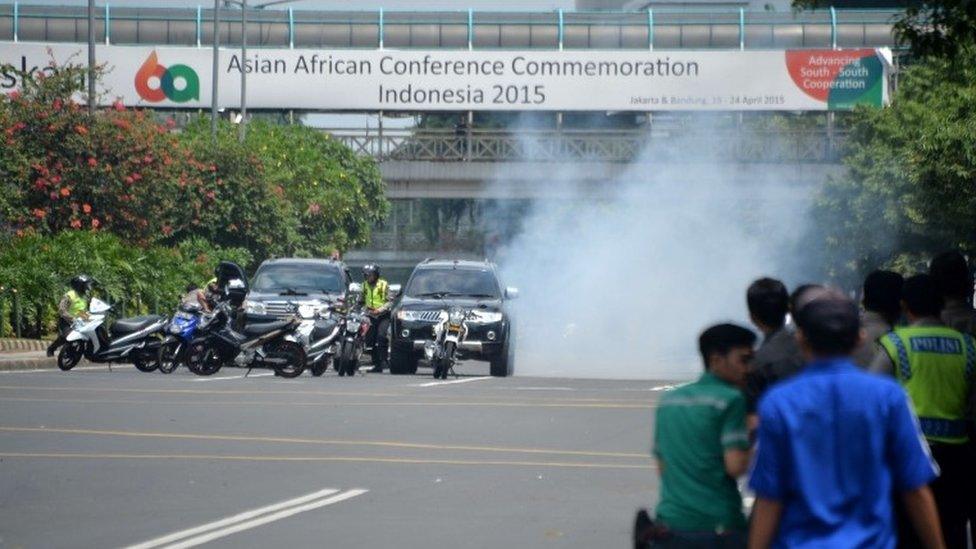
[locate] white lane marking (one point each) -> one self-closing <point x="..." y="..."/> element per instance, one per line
<point x="233" y="377"/>
<point x="40" y="370"/>
<point x="247" y="525"/>
<point x="544" y="389"/>
<point x="452" y="382"/>
<point x="240" y="517"/>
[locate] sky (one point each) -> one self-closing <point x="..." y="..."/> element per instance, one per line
<point x="408" y="5"/>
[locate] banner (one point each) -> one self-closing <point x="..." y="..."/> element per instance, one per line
<point x="488" y="80"/>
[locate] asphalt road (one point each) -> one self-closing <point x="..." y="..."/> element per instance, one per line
<point x="92" y="458"/>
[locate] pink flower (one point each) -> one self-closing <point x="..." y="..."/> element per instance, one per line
<point x="75" y="223"/>
<point x="118" y="106"/>
<point x="86" y="208"/>
<point x="92" y="162"/>
<point x="39" y="213"/>
<point x="95" y="223"/>
<point x="81" y="130"/>
<point x="65" y="192"/>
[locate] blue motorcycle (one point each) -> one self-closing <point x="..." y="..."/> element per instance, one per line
<point x="179" y="332"/>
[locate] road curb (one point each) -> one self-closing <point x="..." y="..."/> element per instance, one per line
<point x="29" y="364"/>
<point x="13" y="344"/>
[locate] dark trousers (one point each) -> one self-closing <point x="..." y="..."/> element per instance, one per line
<point x="951" y="492"/>
<point x="64" y="327"/>
<point x="377" y="338"/>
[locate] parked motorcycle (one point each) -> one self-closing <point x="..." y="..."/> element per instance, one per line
<point x="272" y="345"/>
<point x="449" y="333"/>
<point x="351" y="343"/>
<point x="133" y="340"/>
<point x="318" y="332"/>
<point x="181" y="330"/>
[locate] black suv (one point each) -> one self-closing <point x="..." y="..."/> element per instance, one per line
<point x="438" y="285"/>
<point x="279" y="282"/>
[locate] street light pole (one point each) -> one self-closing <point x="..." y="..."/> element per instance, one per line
<point x="242" y="127"/>
<point x="91" y="56"/>
<point x="216" y="71"/>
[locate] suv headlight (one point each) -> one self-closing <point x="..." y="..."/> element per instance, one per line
<point x="254" y="307"/>
<point x="486" y="316"/>
<point x="412" y="316"/>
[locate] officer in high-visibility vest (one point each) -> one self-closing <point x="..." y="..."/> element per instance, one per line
<point x="377" y="304"/>
<point x="935" y="364"/>
<point x="73" y="304"/>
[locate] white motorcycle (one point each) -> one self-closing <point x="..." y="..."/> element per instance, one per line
<point x="134" y="340"/>
<point x="449" y="333"/>
<point x="318" y="333"/>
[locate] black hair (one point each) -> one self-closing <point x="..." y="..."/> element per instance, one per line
<point x="921" y="296"/>
<point x="722" y="338"/>
<point x="830" y="323"/>
<point x="799" y="291"/>
<point x="190" y="287"/>
<point x="882" y="294"/>
<point x="951" y="275"/>
<point x="768" y="302"/>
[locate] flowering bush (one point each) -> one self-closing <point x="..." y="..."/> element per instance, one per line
<point x="119" y="170"/>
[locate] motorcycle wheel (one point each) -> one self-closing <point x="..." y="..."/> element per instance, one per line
<point x="169" y="357"/>
<point x="70" y="355"/>
<point x="202" y="361"/>
<point x="144" y="365"/>
<point x="350" y="363"/>
<point x="319" y="368"/>
<point x="294" y="357"/>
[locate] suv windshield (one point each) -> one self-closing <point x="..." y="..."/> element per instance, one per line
<point x="297" y="278"/>
<point x="462" y="282"/>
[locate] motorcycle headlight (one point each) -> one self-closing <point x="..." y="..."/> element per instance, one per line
<point x="456" y="316"/>
<point x="175" y="329"/>
<point x="254" y="307"/>
<point x="486" y="316"/>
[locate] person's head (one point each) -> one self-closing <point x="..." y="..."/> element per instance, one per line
<point x="828" y="323"/>
<point x="920" y="298"/>
<point x="727" y="350"/>
<point x="191" y="287"/>
<point x="81" y="284"/>
<point x="882" y="294"/>
<point x="799" y="291"/>
<point x="768" y="302"/>
<point x="951" y="275"/>
<point x="336" y="255"/>
<point x="371" y="273"/>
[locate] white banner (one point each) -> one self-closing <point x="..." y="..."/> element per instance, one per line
<point x="502" y="80"/>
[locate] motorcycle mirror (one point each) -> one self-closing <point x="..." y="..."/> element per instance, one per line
<point x="511" y="293"/>
<point x="394" y="290"/>
<point x="355" y="288"/>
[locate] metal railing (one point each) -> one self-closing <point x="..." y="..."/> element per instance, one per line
<point x="640" y="145"/>
<point x="463" y="29"/>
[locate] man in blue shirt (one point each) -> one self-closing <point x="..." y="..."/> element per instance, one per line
<point x="834" y="443"/>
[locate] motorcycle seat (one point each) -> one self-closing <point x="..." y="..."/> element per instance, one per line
<point x="323" y="328"/>
<point x="256" y="318"/>
<point x="134" y="324"/>
<point x="265" y="327"/>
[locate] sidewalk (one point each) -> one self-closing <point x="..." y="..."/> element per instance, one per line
<point x="25" y="354"/>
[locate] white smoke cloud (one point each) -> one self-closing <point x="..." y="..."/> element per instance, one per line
<point x="620" y="284"/>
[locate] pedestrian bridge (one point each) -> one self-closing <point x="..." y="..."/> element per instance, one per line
<point x="430" y="163"/>
<point x="469" y="29"/>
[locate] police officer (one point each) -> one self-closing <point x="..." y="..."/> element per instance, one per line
<point x="935" y="365"/>
<point x="73" y="304"/>
<point x="375" y="301"/>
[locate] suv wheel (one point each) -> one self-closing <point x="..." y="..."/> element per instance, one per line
<point x="503" y="365"/>
<point x="402" y="362"/>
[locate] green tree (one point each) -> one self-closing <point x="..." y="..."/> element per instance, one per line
<point x="910" y="186"/>
<point x="331" y="196"/>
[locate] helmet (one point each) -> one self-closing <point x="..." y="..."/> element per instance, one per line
<point x="81" y="283"/>
<point x="371" y="269"/>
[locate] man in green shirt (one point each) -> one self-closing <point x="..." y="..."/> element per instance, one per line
<point x="701" y="445"/>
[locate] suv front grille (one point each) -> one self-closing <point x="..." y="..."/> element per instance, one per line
<point x="429" y="316"/>
<point x="277" y="308"/>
